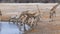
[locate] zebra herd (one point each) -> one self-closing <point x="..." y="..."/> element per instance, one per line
<point x="31" y="19"/>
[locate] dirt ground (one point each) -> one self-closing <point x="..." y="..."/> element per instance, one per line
<point x="47" y="28"/>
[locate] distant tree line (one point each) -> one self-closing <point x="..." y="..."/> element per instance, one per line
<point x="29" y="1"/>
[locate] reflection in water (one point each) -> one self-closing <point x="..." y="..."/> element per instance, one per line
<point x="0" y="27"/>
<point x="11" y="28"/>
<point x="21" y="28"/>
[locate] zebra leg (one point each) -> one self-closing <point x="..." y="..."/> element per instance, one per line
<point x="24" y="27"/>
<point x="16" y="21"/>
<point x="20" y="26"/>
<point x="13" y="22"/>
<point x="9" y="21"/>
